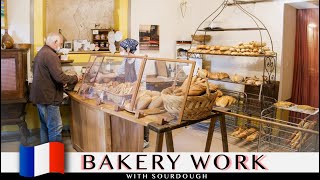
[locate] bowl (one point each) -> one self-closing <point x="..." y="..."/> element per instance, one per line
<point x="201" y="38"/>
<point x="22" y="46"/>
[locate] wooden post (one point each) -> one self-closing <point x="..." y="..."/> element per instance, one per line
<point x="159" y="142"/>
<point x="210" y="133"/>
<point x="169" y="141"/>
<point x="135" y="94"/>
<point x="87" y="71"/>
<point x="187" y="91"/>
<point x="224" y="133"/>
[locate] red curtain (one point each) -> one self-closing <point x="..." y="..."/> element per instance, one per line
<point x="306" y="62"/>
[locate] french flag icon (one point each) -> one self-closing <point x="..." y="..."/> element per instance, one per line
<point x="42" y="159"/>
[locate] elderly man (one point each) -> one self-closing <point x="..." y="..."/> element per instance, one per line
<point x="47" y="88"/>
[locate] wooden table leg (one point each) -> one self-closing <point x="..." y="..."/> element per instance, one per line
<point x="224" y="134"/>
<point x="169" y="141"/>
<point x="159" y="142"/>
<point x="23" y="131"/>
<point x="210" y="134"/>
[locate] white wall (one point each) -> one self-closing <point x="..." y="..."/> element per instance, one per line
<point x="289" y="37"/>
<point x="19" y="24"/>
<point x="19" y="20"/>
<point x="173" y="27"/>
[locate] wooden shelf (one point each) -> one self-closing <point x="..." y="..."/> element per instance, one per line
<point x="100" y="40"/>
<point x="231" y="55"/>
<point x="66" y="61"/>
<point x="233" y="29"/>
<point x="63" y="61"/>
<point x="248" y="2"/>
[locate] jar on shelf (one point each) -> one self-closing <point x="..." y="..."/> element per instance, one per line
<point x="102" y="44"/>
<point x="103" y="36"/>
<point x="96" y="44"/>
<point x="97" y="37"/>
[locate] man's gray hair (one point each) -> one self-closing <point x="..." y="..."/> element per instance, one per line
<point x="53" y="37"/>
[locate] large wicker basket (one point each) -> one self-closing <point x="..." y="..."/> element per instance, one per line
<point x="197" y="107"/>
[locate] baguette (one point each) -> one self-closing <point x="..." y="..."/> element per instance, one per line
<point x="246" y="133"/>
<point x="143" y="102"/>
<point x="156" y="102"/>
<point x="238" y="131"/>
<point x="253" y="136"/>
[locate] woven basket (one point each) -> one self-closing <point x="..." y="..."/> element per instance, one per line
<point x="201" y="38"/>
<point x="197" y="107"/>
<point x="118" y="99"/>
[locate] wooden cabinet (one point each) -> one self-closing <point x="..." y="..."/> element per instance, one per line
<point x="100" y="39"/>
<point x="14" y="94"/>
<point x="93" y="130"/>
<point x="13" y="74"/>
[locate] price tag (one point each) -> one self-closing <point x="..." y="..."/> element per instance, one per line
<point x="95" y="32"/>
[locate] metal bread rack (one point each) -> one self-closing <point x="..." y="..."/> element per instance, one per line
<point x="275" y="138"/>
<point x="248" y="105"/>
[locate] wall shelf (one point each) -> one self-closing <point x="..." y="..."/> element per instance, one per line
<point x="233" y="29"/>
<point x="231" y="55"/>
<point x="229" y="81"/>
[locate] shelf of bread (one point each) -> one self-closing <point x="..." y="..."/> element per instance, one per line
<point x="296" y="108"/>
<point x="237" y="79"/>
<point x="249" y="49"/>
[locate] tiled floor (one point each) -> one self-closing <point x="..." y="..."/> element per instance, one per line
<point x="185" y="140"/>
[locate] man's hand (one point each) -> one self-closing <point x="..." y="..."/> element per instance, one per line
<point x="79" y="77"/>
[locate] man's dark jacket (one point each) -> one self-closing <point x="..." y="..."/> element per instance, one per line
<point x="48" y="78"/>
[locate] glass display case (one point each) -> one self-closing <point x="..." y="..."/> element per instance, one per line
<point x="149" y="86"/>
<point x="112" y="79"/>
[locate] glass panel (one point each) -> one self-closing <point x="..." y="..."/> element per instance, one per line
<point x="111" y="79"/>
<point x="8" y="74"/>
<point x="163" y="88"/>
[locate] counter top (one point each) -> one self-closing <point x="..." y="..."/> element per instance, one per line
<point x="91" y="52"/>
<point x="109" y="109"/>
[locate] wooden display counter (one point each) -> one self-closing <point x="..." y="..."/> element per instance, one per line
<point x="98" y="128"/>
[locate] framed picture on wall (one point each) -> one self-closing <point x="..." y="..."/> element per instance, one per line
<point x="68" y="45"/>
<point x="149" y="37"/>
<point x="4" y="21"/>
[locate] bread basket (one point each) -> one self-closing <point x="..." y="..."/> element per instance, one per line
<point x="118" y="99"/>
<point x="196" y="108"/>
<point x="201" y="38"/>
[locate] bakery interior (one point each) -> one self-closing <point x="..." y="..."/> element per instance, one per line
<point x="212" y="76"/>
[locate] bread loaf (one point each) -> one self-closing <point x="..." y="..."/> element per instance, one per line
<point x="156" y="102"/>
<point x="223" y="75"/>
<point x="143" y="102"/>
<point x="227" y="52"/>
<point x="236" y="78"/>
<point x="201" y="47"/>
<point x="203" y="73"/>
<point x="224" y="48"/>
<point x="196" y="90"/>
<point x="217" y="47"/>
<point x="219" y="93"/>
<point x="155" y="93"/>
<point x="232" y="49"/>
<point x="222" y="102"/>
<point x="213" y="87"/>
<point x="259" y="44"/>
<point x="214" y="76"/>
